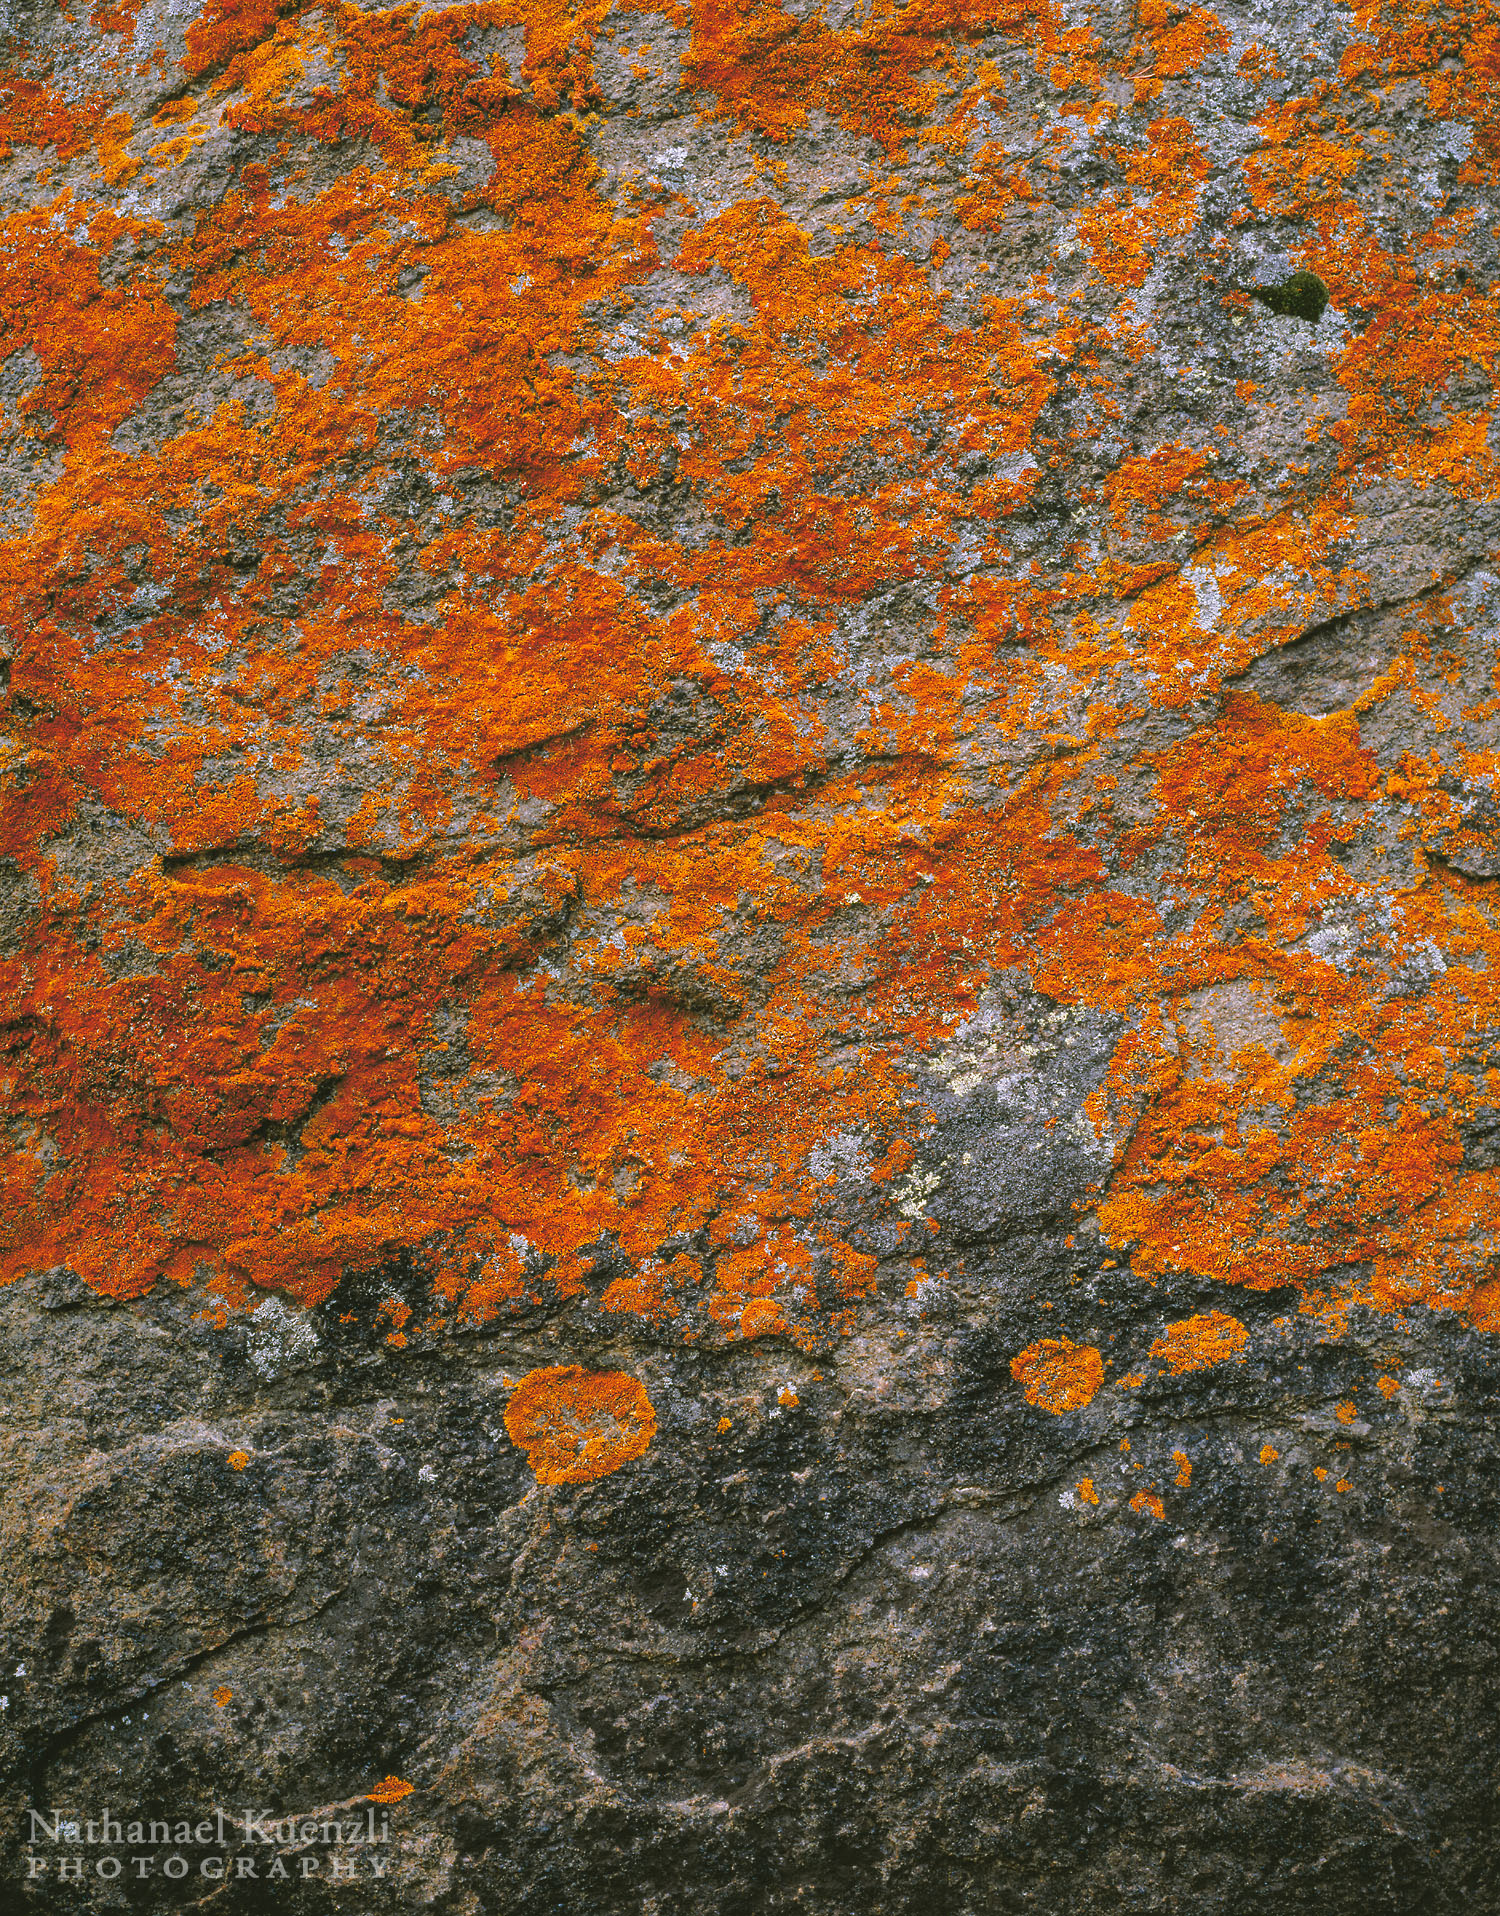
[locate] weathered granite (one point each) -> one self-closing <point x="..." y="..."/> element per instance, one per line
<point x="706" y="707"/>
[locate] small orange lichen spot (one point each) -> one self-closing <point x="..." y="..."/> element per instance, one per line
<point x="786" y="1397"/>
<point x="237" y="1459"/>
<point x="576" y="1425"/>
<point x="1086" y="1491"/>
<point x="1269" y="1453"/>
<point x="398" y="1338"/>
<point x="1124" y="1443"/>
<point x="1057" y="1375"/>
<point x="222" y="1695"/>
<point x="1132" y="1380"/>
<point x="391" y="1790"/>
<point x="1148" y="1504"/>
<point x="1346" y="1413"/>
<point x="725" y="1423"/>
<point x="761" y="1317"/>
<point x="1319" y="1472"/>
<point x="1198" y="1343"/>
<point x="1343" y="1484"/>
<point x="1184" y="1465"/>
<point x="1387" y="1386"/>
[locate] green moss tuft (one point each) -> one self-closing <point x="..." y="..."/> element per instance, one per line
<point x="1303" y="295"/>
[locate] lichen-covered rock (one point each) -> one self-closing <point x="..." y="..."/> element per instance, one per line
<point x="751" y="982"/>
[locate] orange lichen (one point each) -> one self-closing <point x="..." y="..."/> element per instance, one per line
<point x="1183" y="41"/>
<point x="644" y="1293"/>
<point x="1387" y="1386"/>
<point x="1346" y="1413"/>
<point x="687" y="955"/>
<point x="1269" y="1453"/>
<point x="1198" y="1343"/>
<point x="761" y="1317"/>
<point x="222" y="1694"/>
<point x="1085" y="1491"/>
<point x="576" y="1425"/>
<point x="390" y="1790"/>
<point x="1148" y="1504"/>
<point x="237" y="1459"/>
<point x="1058" y="1375"/>
<point x="1484" y="1305"/>
<point x="1184" y="1468"/>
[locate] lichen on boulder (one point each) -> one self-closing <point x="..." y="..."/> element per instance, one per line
<point x="749" y="965"/>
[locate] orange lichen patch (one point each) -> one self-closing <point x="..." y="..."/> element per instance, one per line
<point x="1198" y="1343"/>
<point x="101" y="349"/>
<point x="1140" y="491"/>
<point x="237" y="1459"/>
<point x="1346" y="1413"/>
<point x="1085" y="1491"/>
<point x="34" y="112"/>
<point x="395" y="1311"/>
<point x="761" y="1317"/>
<point x="1058" y="1375"/>
<point x="1182" y="41"/>
<point x="1132" y="1380"/>
<point x="1388" y="1387"/>
<point x="227" y="27"/>
<point x="238" y="1012"/>
<point x="390" y="1790"/>
<point x="649" y="1291"/>
<point x="1147" y="1504"/>
<point x="1165" y="180"/>
<point x="117" y="167"/>
<point x="1343" y="1484"/>
<point x="576" y="1425"/>
<point x="1297" y="166"/>
<point x="771" y="69"/>
<point x="222" y="1695"/>
<point x="1484" y="1305"/>
<point x="754" y="1288"/>
<point x="787" y="1397"/>
<point x="1269" y="1453"/>
<point x="1184" y="1468"/>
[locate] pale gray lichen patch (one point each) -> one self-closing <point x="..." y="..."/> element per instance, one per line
<point x="281" y="1340"/>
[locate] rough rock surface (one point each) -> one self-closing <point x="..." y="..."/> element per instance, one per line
<point x="751" y="980"/>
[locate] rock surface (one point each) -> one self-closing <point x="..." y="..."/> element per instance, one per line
<point x="751" y="987"/>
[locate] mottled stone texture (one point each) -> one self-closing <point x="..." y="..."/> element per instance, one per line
<point x="749" y="963"/>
